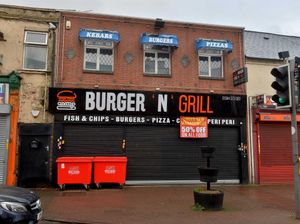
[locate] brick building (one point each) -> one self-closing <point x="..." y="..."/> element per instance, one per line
<point x="122" y="85"/>
<point x="27" y="40"/>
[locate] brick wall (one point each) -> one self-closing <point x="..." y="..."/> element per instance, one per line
<point x="130" y="75"/>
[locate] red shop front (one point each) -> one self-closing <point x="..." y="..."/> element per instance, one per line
<point x="274" y="148"/>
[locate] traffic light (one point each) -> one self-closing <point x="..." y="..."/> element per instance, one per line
<point x="282" y="86"/>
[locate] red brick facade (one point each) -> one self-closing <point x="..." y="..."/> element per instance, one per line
<point x="130" y="75"/>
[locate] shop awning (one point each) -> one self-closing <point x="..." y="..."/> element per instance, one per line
<point x="224" y="45"/>
<point x="159" y="39"/>
<point x="99" y="35"/>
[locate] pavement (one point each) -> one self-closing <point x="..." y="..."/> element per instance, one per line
<point x="167" y="204"/>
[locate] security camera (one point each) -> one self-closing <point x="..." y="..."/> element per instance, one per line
<point x="52" y="26"/>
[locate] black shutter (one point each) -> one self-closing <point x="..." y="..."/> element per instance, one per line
<point x="157" y="153"/>
<point x="84" y="140"/>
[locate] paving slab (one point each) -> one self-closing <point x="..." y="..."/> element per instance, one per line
<point x="166" y="204"/>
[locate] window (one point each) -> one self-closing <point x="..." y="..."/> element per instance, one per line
<point x="35" y="50"/>
<point x="4" y="92"/>
<point x="98" y="56"/>
<point x="156" y="60"/>
<point x="210" y="63"/>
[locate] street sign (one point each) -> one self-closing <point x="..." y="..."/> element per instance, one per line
<point x="240" y="76"/>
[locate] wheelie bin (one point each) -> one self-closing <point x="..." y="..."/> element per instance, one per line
<point x="74" y="170"/>
<point x="109" y="170"/>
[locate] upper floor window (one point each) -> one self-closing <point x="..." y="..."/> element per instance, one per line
<point x="157" y="59"/>
<point x="35" y="50"/>
<point x="210" y="63"/>
<point x="98" y="55"/>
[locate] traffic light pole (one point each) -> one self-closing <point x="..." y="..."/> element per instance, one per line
<point x="294" y="133"/>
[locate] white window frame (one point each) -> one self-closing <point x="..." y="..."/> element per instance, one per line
<point x="148" y="48"/>
<point x="38" y="44"/>
<point x="101" y="45"/>
<point x="210" y="53"/>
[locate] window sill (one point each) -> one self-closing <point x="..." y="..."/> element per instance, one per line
<point x="158" y="75"/>
<point x="212" y="78"/>
<point x="98" y="72"/>
<point x="35" y="71"/>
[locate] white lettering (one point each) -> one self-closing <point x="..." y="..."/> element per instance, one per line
<point x="111" y="101"/>
<point x="160" y="40"/>
<point x="130" y="102"/>
<point x="100" y="101"/>
<point x="161" y="120"/>
<point x="121" y="102"/>
<point x="71" y="118"/>
<point x="99" y="35"/>
<point x="216" y="44"/>
<point x="162" y="103"/>
<point x="90" y="101"/>
<point x="140" y="102"/>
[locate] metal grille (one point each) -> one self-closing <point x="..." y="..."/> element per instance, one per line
<point x="210" y="65"/>
<point x="91" y="58"/>
<point x="35" y="205"/>
<point x="106" y="60"/>
<point x="157" y="63"/>
<point x="149" y="62"/>
<point x="203" y="66"/>
<point x="100" y="59"/>
<point x="216" y="64"/>
<point x="163" y="63"/>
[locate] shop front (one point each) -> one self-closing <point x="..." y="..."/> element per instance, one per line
<point x="274" y="148"/>
<point x="145" y="127"/>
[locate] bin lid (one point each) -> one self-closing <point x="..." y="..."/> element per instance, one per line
<point x="110" y="159"/>
<point x="68" y="159"/>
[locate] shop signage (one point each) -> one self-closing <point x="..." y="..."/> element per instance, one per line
<point x="225" y="45"/>
<point x="277" y="117"/>
<point x="142" y="104"/>
<point x="193" y="127"/>
<point x="240" y="76"/>
<point x="161" y="39"/>
<point x="99" y="34"/>
<point x="264" y="101"/>
<point x="127" y="119"/>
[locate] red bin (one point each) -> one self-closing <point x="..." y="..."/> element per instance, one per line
<point x="110" y="170"/>
<point x="74" y="170"/>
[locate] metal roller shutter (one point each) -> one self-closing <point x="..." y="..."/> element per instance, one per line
<point x="81" y="140"/>
<point x="157" y="153"/>
<point x="275" y="153"/>
<point x="3" y="151"/>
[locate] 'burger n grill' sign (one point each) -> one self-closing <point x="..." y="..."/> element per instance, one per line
<point x="142" y="103"/>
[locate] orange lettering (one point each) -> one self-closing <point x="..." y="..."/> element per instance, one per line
<point x="208" y="106"/>
<point x="191" y="103"/>
<point x="182" y="105"/>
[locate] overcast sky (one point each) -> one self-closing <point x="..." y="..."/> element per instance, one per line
<point x="272" y="16"/>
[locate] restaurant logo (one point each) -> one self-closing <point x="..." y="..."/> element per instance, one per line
<point x="66" y="100"/>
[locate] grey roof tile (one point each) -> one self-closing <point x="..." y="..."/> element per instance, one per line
<point x="267" y="45"/>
